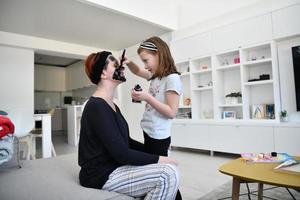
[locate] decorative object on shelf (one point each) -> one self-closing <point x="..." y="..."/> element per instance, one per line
<point x="208" y="114"/>
<point x="283" y="116"/>
<point x="187" y="101"/>
<point x="204" y="67"/>
<point x="236" y="60"/>
<point x="184" y="114"/>
<point x="253" y="79"/>
<point x="225" y="62"/>
<point x="264" y="77"/>
<point x="229" y="115"/>
<point x="258" y="111"/>
<point x="210" y="83"/>
<point x="270" y="111"/>
<point x="253" y="58"/>
<point x="233" y="98"/>
<point x="261" y="78"/>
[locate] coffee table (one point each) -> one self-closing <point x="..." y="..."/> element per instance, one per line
<point x="261" y="173"/>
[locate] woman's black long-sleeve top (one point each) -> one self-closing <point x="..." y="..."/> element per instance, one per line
<point x="105" y="144"/>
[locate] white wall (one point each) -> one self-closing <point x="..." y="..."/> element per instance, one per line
<point x="261" y="7"/>
<point x="286" y="71"/>
<point x="196" y="11"/>
<point x="16" y="78"/>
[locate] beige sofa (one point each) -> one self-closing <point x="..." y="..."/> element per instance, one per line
<point x="48" y="179"/>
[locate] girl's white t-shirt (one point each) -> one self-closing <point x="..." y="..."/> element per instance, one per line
<point x="156" y="125"/>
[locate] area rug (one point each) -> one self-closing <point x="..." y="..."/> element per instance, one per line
<point x="270" y="192"/>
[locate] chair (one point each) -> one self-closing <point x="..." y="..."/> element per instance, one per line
<point x="38" y="133"/>
<point x="24" y="123"/>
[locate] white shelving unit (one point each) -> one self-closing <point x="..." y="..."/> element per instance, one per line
<point x="208" y="79"/>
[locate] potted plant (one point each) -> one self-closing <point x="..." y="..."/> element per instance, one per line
<point x="233" y="98"/>
<point x="283" y="116"/>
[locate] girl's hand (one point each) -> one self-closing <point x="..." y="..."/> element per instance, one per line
<point x="167" y="160"/>
<point x="139" y="95"/>
<point x="126" y="60"/>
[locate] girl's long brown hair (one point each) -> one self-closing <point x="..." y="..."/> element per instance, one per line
<point x="166" y="61"/>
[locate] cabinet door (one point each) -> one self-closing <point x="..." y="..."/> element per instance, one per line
<point x="190" y="136"/>
<point x="49" y="78"/>
<point x="39" y="80"/>
<point x="287" y="140"/>
<point x="235" y="139"/>
<point x="55" y="79"/>
<point x="76" y="77"/>
<point x="246" y="32"/>
<point x="191" y="47"/>
<point x="286" y="22"/>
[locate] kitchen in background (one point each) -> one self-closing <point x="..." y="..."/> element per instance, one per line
<point x="60" y="84"/>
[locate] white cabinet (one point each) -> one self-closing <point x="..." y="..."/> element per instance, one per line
<point x="190" y="136"/>
<point x="49" y="78"/>
<point x="191" y="46"/>
<point x="76" y="77"/>
<point x="74" y="117"/>
<point x="59" y="120"/>
<point x="286" y="22"/>
<point x="239" y="139"/>
<point x="246" y="32"/>
<point x="287" y="139"/>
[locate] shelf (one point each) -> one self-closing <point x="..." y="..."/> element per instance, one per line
<point x="229" y="67"/>
<point x="259" y="82"/>
<point x="231" y="105"/>
<point x="202" y="71"/>
<point x="203" y="88"/>
<point x="184" y="74"/>
<point x="257" y="62"/>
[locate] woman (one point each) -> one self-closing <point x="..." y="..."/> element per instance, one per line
<point x="108" y="157"/>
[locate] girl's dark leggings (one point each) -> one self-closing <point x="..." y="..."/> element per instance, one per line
<point x="158" y="147"/>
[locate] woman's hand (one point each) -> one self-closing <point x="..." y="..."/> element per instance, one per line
<point x="139" y="95"/>
<point x="167" y="160"/>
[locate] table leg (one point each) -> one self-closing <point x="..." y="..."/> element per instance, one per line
<point x="260" y="191"/>
<point x="235" y="188"/>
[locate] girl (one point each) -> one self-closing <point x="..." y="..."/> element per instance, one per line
<point x="162" y="100"/>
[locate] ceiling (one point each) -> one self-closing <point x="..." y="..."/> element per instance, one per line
<point x="75" y="22"/>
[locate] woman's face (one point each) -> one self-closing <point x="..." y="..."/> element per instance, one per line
<point x="110" y="69"/>
<point x="150" y="61"/>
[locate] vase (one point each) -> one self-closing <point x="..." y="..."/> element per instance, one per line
<point x="284" y="119"/>
<point x="231" y="100"/>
